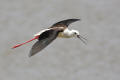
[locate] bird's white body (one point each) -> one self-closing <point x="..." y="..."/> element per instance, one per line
<point x="68" y="33"/>
<point x="65" y="34"/>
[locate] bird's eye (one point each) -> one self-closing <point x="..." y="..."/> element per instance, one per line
<point x="75" y="33"/>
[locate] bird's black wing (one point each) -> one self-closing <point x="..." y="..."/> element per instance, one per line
<point x="64" y="23"/>
<point x="45" y="38"/>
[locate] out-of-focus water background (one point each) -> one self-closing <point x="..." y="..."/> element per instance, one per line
<point x="64" y="59"/>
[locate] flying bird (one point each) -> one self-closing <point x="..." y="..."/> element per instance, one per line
<point x="46" y="36"/>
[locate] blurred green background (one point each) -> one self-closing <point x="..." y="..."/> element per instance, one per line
<point x="98" y="60"/>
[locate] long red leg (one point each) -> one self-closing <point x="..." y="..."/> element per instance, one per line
<point x="36" y="37"/>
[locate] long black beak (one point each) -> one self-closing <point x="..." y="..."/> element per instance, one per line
<point x="84" y="40"/>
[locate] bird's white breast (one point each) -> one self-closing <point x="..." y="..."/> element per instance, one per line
<point x="65" y="34"/>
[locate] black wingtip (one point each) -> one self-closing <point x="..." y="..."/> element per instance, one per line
<point x="30" y="55"/>
<point x="66" y="22"/>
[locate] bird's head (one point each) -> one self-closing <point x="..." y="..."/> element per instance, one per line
<point x="76" y="33"/>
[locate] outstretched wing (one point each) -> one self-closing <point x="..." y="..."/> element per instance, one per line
<point x="64" y="23"/>
<point x="45" y="38"/>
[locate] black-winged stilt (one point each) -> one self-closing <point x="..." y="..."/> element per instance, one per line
<point x="46" y="36"/>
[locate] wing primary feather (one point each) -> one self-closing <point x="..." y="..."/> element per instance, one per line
<point x="44" y="40"/>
